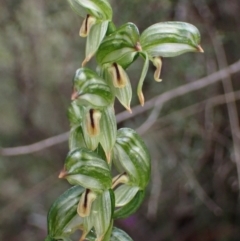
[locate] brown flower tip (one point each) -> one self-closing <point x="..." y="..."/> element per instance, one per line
<point x="141" y="98"/>
<point x="138" y="46"/>
<point x="129" y="109"/>
<point x="199" y="48"/>
<point x="86" y="60"/>
<point x="108" y="156"/>
<point x="74" y="95"/>
<point x="84" y="234"/>
<point x="63" y="173"/>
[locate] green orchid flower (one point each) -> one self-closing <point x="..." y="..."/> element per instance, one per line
<point x="167" y="39"/>
<point x="97" y="15"/>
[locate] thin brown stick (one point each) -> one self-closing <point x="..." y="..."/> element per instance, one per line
<point x="207" y="18"/>
<point x="158" y="100"/>
<point x="38" y="146"/>
<point x="182" y="90"/>
<point x="198" y="107"/>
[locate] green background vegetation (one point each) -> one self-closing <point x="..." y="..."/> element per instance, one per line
<point x="193" y="195"/>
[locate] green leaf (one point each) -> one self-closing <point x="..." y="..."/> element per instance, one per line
<point x="62" y="217"/>
<point x="100" y="9"/>
<point x="119" y="235"/>
<point x="100" y="216"/>
<point x="169" y="39"/>
<point x="94" y="39"/>
<point x="90" y="89"/>
<point x="120" y="47"/>
<point x="86" y="168"/>
<point x="108" y="131"/>
<point x="131" y="207"/>
<point x="132" y="155"/>
<point x="124" y="194"/>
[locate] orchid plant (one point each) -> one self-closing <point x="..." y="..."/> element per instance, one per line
<point x="96" y="198"/>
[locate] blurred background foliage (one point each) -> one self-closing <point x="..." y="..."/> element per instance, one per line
<point x="193" y="138"/>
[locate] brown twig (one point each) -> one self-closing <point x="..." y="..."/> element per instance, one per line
<point x="158" y="100"/>
<point x="198" y="107"/>
<point x="207" y="18"/>
<point x="38" y="146"/>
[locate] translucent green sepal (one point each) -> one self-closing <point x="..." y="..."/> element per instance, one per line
<point x="119" y="235"/>
<point x="76" y="138"/>
<point x="121" y="46"/>
<point x="86" y="168"/>
<point x="115" y="235"/>
<point x="131" y="207"/>
<point x="100" y="218"/>
<point x="75" y="114"/>
<point x="123" y="92"/>
<point x="100" y="9"/>
<point x="124" y="194"/>
<point x="131" y="156"/>
<point x="94" y="39"/>
<point x="108" y="133"/>
<point x="91" y="90"/>
<point x="62" y="217"/>
<point x="169" y="39"/>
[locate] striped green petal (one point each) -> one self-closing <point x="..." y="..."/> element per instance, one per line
<point x="108" y="131"/>
<point x="90" y="89"/>
<point x="169" y="39"/>
<point x="124" y="194"/>
<point x="94" y="39"/>
<point x="116" y="234"/>
<point x="123" y="94"/>
<point x="132" y="155"/>
<point x="121" y="46"/>
<point x="100" y="217"/>
<point x="75" y="114"/>
<point x="131" y="207"/>
<point x="62" y="217"/>
<point x="100" y="9"/>
<point x="86" y="168"/>
<point x="119" y="235"/>
<point x="76" y="139"/>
